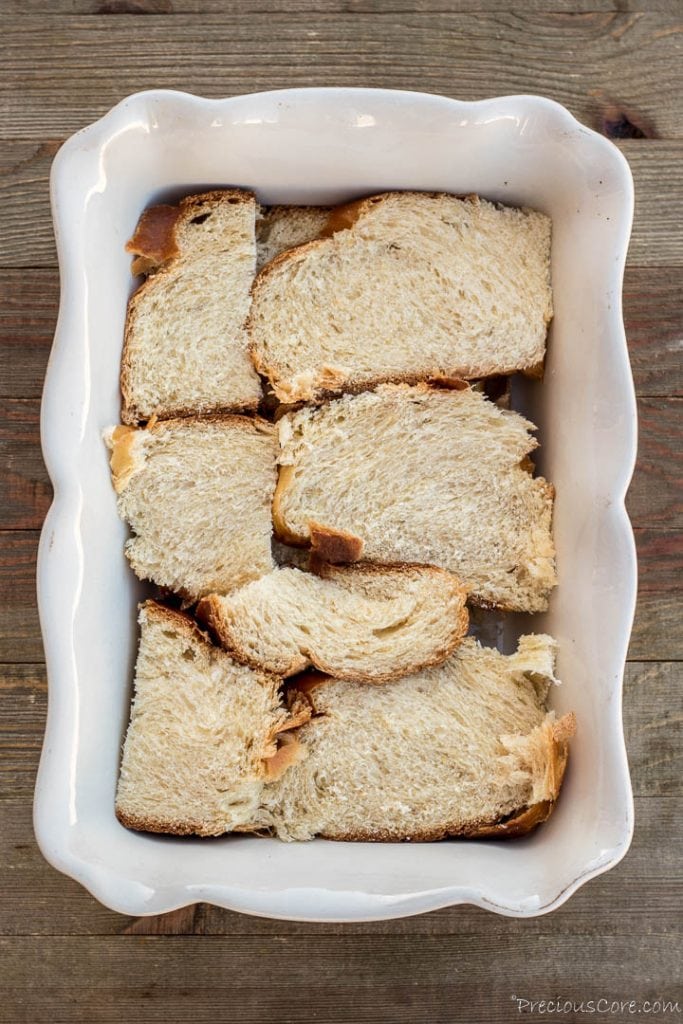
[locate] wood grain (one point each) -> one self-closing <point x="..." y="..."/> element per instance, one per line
<point x="231" y="8"/>
<point x="657" y="629"/>
<point x="653" y="312"/>
<point x="25" y="199"/>
<point x="442" y="978"/>
<point x="653" y="724"/>
<point x="656" y="241"/>
<point x="25" y="491"/>
<point x="660" y="557"/>
<point x="23" y="706"/>
<point x="494" y="53"/>
<point x="20" y="639"/>
<point x="656" y="494"/>
<point x="28" y="314"/>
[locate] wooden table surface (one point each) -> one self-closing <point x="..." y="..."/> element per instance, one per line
<point x="616" y="64"/>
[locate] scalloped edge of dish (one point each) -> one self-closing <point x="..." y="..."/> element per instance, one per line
<point x="313" y="904"/>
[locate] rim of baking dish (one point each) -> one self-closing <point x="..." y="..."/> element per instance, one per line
<point x="313" y="904"/>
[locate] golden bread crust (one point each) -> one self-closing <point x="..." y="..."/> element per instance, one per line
<point x="209" y="612"/>
<point x="155" y="241"/>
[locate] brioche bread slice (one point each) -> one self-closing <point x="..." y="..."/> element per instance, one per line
<point x="407" y="286"/>
<point x="205" y="733"/>
<point x="463" y="749"/>
<point x="371" y="623"/>
<point x="283" y="227"/>
<point x="185" y="346"/>
<point x="197" y="495"/>
<point x="420" y="474"/>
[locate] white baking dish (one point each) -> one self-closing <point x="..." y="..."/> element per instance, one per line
<point x="323" y="146"/>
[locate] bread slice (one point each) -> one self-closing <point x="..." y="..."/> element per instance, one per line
<point x="205" y="733"/>
<point x="197" y="495"/>
<point x="185" y="347"/>
<point x="408" y="286"/>
<point x="463" y="749"/>
<point x="420" y="474"/>
<point x="283" y="227"/>
<point x="366" y="622"/>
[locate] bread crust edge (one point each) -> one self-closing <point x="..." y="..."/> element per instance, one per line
<point x="520" y="823"/>
<point x="280" y="528"/>
<point x="131" y="415"/>
<point x="141" y="823"/>
<point x="210" y="614"/>
<point x="297" y="716"/>
<point x="356" y="385"/>
<point x="332" y="545"/>
<point x="341" y="218"/>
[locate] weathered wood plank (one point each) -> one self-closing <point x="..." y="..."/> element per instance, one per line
<point x="656" y="242"/>
<point x="660" y="558"/>
<point x="230" y="8"/>
<point x="25" y="199"/>
<point x="653" y="312"/>
<point x="29" y="301"/>
<point x="25" y="491"/>
<point x="654" y="498"/>
<point x="657" y="630"/>
<point x="651" y="720"/>
<point x="586" y="61"/>
<point x="23" y="707"/>
<point x="656" y="494"/>
<point x="20" y="639"/>
<point x="658" y="191"/>
<point x="634" y="897"/>
<point x="442" y="979"/>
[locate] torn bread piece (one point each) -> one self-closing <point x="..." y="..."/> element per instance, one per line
<point x="185" y="346"/>
<point x="406" y="286"/>
<point x="197" y="495"/>
<point x="464" y="749"/>
<point x="205" y="735"/>
<point x="371" y="623"/>
<point x="284" y="227"/>
<point x="420" y="474"/>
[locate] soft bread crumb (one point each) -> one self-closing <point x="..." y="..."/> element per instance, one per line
<point x="279" y="228"/>
<point x="361" y="622"/>
<point x="197" y="494"/>
<point x="203" y="736"/>
<point x="185" y="346"/>
<point x="453" y="750"/>
<point x="465" y="290"/>
<point x="423" y="474"/>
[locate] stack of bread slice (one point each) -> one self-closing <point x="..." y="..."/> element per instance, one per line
<point x="317" y="488"/>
